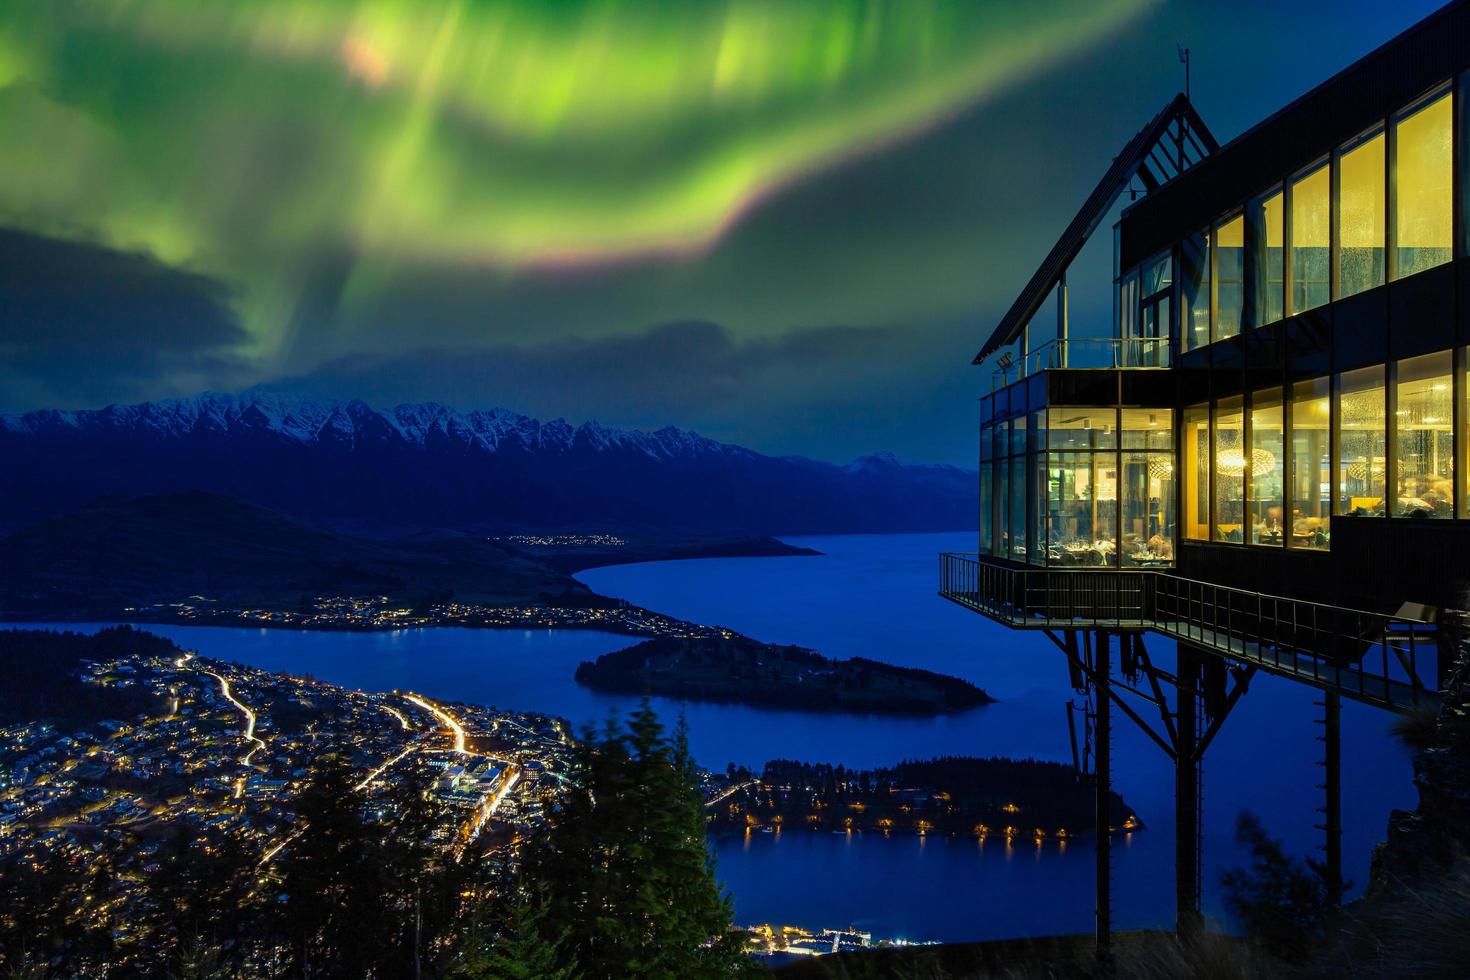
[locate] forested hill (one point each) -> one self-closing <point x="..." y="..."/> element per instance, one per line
<point x="137" y="552"/>
<point x="40" y="675"/>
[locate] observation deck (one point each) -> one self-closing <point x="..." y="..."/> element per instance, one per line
<point x="1371" y="657"/>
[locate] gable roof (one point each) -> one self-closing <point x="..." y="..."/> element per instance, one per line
<point x="1149" y="155"/>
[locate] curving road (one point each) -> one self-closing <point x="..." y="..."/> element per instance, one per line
<point x="224" y="687"/>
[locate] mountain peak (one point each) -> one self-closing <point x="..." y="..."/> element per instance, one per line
<point x="429" y="464"/>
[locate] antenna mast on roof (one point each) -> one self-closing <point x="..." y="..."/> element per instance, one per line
<point x="1183" y="123"/>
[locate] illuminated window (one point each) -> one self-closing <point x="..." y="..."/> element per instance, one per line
<point x="1311" y="465"/>
<point x="1360" y="216"/>
<point x="1146" y="537"/>
<point x="1229" y="276"/>
<point x="1230" y="466"/>
<point x="1423" y="188"/>
<point x="1361" y="442"/>
<point x="1264" y="468"/>
<point x="1036" y="490"/>
<point x="1311" y="252"/>
<point x="1265" y="232"/>
<point x="1082" y="501"/>
<point x="1196" y="467"/>
<point x="1146" y="529"/>
<point x="1148" y="428"/>
<point x="1083" y="428"/>
<point x="1464" y="131"/>
<point x="1194" y="283"/>
<point x="1425" y="448"/>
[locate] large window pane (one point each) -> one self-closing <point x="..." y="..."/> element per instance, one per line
<point x="1036" y="509"/>
<point x="1002" y="508"/>
<point x="1360" y="212"/>
<point x="1196" y="468"/>
<point x="1311" y="253"/>
<point x="1016" y="522"/>
<point x="1148" y="428"/>
<point x="1082" y="501"/>
<point x="1194" y="283"/>
<point x="1464" y="128"/>
<point x="1230" y="276"/>
<point x="1426" y="442"/>
<point x="1035" y="505"/>
<point x="1018" y="434"/>
<point x="1361" y="442"/>
<point x="1311" y="464"/>
<point x="1083" y="428"/>
<point x="987" y="503"/>
<point x="1423" y="188"/>
<point x="1127" y="309"/>
<point x="1230" y="466"/>
<point x="1146" y="537"/>
<point x="1268" y="439"/>
<point x="1265" y="233"/>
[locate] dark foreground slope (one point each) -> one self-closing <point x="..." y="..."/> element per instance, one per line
<point x="134" y="552"/>
<point x="353" y="467"/>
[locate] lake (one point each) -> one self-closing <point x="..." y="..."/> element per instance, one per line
<point x="874" y="596"/>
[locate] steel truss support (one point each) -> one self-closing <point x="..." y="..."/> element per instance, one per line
<point x="1206" y="691"/>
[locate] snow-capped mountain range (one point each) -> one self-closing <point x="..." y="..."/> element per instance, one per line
<point x="352" y="465"/>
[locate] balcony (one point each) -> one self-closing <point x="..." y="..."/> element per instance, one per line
<point x="1369" y="657"/>
<point x="1086" y="353"/>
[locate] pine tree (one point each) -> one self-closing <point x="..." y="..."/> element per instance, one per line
<point x="333" y="880"/>
<point x="516" y="947"/>
<point x="630" y="882"/>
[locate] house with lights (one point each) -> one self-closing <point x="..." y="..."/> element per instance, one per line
<point x="1262" y="459"/>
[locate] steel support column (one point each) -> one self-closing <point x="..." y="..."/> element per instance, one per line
<point x="1102" y="779"/>
<point x="1332" y="795"/>
<point x="1187" y="762"/>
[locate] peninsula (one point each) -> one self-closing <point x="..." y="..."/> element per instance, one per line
<point x="1013" y="799"/>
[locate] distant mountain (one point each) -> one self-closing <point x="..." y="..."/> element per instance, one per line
<point x="142" y="551"/>
<point x="352" y="466"/>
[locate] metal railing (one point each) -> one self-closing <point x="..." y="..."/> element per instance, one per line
<point x="1369" y="656"/>
<point x="1088" y="353"/>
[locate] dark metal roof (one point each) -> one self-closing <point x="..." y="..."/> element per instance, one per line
<point x="1432" y="51"/>
<point x="1173" y="141"/>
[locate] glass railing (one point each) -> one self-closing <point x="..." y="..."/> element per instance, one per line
<point x="1084" y="353"/>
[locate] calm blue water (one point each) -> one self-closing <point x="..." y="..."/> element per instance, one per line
<point x="874" y="596"/>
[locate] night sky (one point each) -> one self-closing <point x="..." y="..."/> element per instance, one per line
<point x="785" y="223"/>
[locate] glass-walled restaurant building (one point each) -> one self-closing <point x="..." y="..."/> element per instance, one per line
<point x="1286" y="376"/>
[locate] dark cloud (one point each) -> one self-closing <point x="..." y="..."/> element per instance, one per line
<point x="83" y="324"/>
<point x="661" y="375"/>
<point x="832" y="392"/>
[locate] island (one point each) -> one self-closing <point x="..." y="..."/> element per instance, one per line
<point x="736" y="669"/>
<point x="1010" y="799"/>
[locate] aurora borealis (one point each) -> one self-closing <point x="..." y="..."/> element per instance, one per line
<point x="545" y="183"/>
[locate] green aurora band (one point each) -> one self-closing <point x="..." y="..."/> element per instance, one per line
<point x="247" y="139"/>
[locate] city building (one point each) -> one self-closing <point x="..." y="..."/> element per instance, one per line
<point x="1263" y="457"/>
